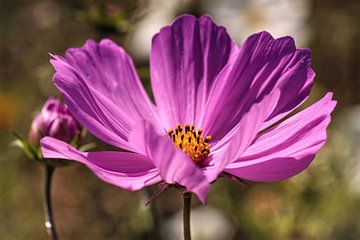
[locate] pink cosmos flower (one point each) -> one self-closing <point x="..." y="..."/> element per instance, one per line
<point x="217" y="108"/>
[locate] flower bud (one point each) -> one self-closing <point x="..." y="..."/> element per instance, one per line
<point x="54" y="120"/>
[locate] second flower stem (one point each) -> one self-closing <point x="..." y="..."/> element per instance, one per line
<point x="186" y="214"/>
<point x="49" y="218"/>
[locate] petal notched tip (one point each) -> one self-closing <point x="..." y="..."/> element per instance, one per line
<point x="188" y="19"/>
<point x="264" y="41"/>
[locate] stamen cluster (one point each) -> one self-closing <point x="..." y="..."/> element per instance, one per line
<point x="191" y="142"/>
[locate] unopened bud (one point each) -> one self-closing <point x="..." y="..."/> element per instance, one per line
<point x="54" y="120"/>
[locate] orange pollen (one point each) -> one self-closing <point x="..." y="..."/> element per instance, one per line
<point x="190" y="141"/>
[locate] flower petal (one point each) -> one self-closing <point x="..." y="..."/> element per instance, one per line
<point x="102" y="90"/>
<point x="239" y="139"/>
<point x="262" y="65"/>
<point x="185" y="59"/>
<point x="130" y="171"/>
<point x="288" y="148"/>
<point x="174" y="166"/>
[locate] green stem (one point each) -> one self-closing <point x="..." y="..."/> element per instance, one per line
<point x="186" y="215"/>
<point x="49" y="218"/>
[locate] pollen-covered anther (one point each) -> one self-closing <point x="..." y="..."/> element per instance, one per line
<point x="190" y="141"/>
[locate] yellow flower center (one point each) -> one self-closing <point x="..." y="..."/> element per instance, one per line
<point x="191" y="142"/>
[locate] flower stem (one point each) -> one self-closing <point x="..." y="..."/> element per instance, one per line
<point x="186" y="214"/>
<point x="49" y="218"/>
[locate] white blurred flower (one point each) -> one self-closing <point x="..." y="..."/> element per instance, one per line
<point x="351" y="131"/>
<point x="241" y="18"/>
<point x="157" y="14"/>
<point x="207" y="223"/>
<point x="279" y="17"/>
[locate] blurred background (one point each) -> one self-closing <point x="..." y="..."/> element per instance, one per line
<point x="321" y="203"/>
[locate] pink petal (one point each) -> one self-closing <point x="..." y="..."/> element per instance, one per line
<point x="239" y="139"/>
<point x="261" y="66"/>
<point x="130" y="171"/>
<point x="288" y="148"/>
<point x="174" y="166"/>
<point x="102" y="90"/>
<point x="186" y="58"/>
